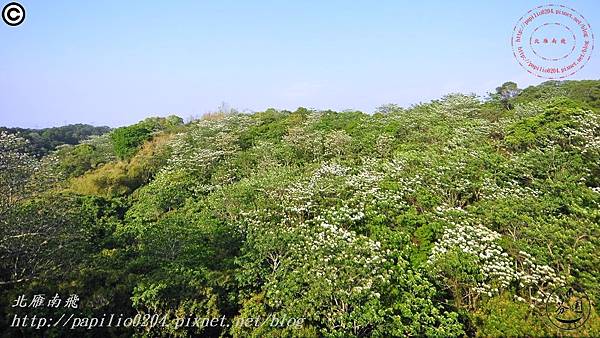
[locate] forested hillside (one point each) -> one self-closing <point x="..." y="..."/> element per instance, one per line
<point x="42" y="141"/>
<point x="454" y="217"/>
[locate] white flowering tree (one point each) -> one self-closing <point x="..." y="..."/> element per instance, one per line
<point x="472" y="263"/>
<point x="16" y="168"/>
<point x="303" y="260"/>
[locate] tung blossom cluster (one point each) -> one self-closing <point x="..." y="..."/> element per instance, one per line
<point x="499" y="269"/>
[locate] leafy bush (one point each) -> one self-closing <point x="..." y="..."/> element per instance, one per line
<point x="126" y="140"/>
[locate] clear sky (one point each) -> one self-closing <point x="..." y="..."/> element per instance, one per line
<point x="116" y="62"/>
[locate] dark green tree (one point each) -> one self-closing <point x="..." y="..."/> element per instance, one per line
<point x="506" y="92"/>
<point x="126" y="140"/>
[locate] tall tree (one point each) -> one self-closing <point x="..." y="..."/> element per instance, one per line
<point x="506" y="92"/>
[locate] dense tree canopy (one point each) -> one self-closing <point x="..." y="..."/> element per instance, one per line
<point x="43" y="141"/>
<point x="455" y="217"/>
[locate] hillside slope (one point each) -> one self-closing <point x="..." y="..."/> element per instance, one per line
<point x="446" y="218"/>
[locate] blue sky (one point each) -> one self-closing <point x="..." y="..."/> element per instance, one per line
<point x="117" y="62"/>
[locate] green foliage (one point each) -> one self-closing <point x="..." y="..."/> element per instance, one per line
<point x="585" y="92"/>
<point x="52" y="244"/>
<point x="502" y="316"/>
<point x="506" y="93"/>
<point x="75" y="161"/>
<point x="546" y="128"/>
<point x="126" y="140"/>
<point x="123" y="177"/>
<point x="449" y="218"/>
<point x="43" y="141"/>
